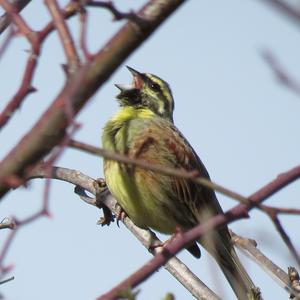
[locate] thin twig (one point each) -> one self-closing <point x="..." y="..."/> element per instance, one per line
<point x="181" y="173"/>
<point x="132" y="16"/>
<point x="288" y="10"/>
<point x="8" y="223"/>
<point x="7" y="280"/>
<point x="6" y="41"/>
<point x="282" y="76"/>
<point x="22" y="26"/>
<point x="285" y="237"/>
<point x="250" y="248"/>
<point x="64" y="35"/>
<point x="26" y="88"/>
<point x="5" y="19"/>
<point x="83" y="34"/>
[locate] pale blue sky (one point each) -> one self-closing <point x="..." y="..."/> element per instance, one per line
<point x="242" y="123"/>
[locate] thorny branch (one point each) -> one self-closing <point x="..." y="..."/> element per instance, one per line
<point x="52" y="125"/>
<point x="38" y="38"/>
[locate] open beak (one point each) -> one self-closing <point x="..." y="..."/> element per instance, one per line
<point x="127" y="89"/>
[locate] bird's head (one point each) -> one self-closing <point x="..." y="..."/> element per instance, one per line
<point x="147" y="91"/>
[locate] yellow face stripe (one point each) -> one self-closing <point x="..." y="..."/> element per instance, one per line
<point x="166" y="102"/>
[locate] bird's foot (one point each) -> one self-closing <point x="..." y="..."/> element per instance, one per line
<point x="162" y="245"/>
<point x="107" y="217"/>
<point x="100" y="186"/>
<point x="120" y="214"/>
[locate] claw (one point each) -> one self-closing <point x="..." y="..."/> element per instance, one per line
<point x="107" y="217"/>
<point x="120" y="214"/>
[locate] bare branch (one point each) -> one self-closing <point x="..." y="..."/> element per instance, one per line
<point x="7" y="280"/>
<point x="78" y="90"/>
<point x="183" y="239"/>
<point x="285" y="8"/>
<point x="192" y="175"/>
<point x="172" y="248"/>
<point x="26" y="88"/>
<point x="282" y="76"/>
<point x="249" y="248"/>
<point x="64" y="35"/>
<point x="6" y="41"/>
<point x="83" y="30"/>
<point x="132" y="16"/>
<point x="177" y="268"/>
<point x="5" y="19"/>
<point x="8" y="223"/>
<point x="22" y="26"/>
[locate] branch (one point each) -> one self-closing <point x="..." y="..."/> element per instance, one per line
<point x="193" y="176"/>
<point x="7" y="280"/>
<point x="250" y="249"/>
<point x="282" y="76"/>
<point x="5" y="19"/>
<point x="30" y="68"/>
<point x="118" y="15"/>
<point x="20" y="23"/>
<point x="64" y="35"/>
<point x="174" y="266"/>
<point x="8" y="223"/>
<point x="51" y="127"/>
<point x="180" y="241"/>
<point x="292" y="13"/>
<point x="236" y="213"/>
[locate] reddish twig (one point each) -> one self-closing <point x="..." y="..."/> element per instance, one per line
<point x="5" y="19"/>
<point x="31" y="65"/>
<point x="285" y="237"/>
<point x="183" y="239"/>
<point x="132" y="16"/>
<point x="64" y="35"/>
<point x="273" y="213"/>
<point x="6" y="41"/>
<point x="51" y="160"/>
<point x="24" y="90"/>
<point x="83" y="30"/>
<point x="4" y="251"/>
<point x="253" y="201"/>
<point x="282" y="76"/>
<point x="33" y="39"/>
<point x="22" y="26"/>
<point x="291" y="12"/>
<point x="52" y="124"/>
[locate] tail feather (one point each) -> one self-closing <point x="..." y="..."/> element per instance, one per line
<point x="236" y="275"/>
<point x="220" y="246"/>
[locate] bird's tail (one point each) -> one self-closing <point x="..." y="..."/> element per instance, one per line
<point x="220" y="246"/>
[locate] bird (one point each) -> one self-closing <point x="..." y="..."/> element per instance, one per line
<point x="143" y="128"/>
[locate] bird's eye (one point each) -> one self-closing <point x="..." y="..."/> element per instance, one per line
<point x="154" y="86"/>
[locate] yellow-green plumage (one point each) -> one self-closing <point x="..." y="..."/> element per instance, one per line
<point x="144" y="129"/>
